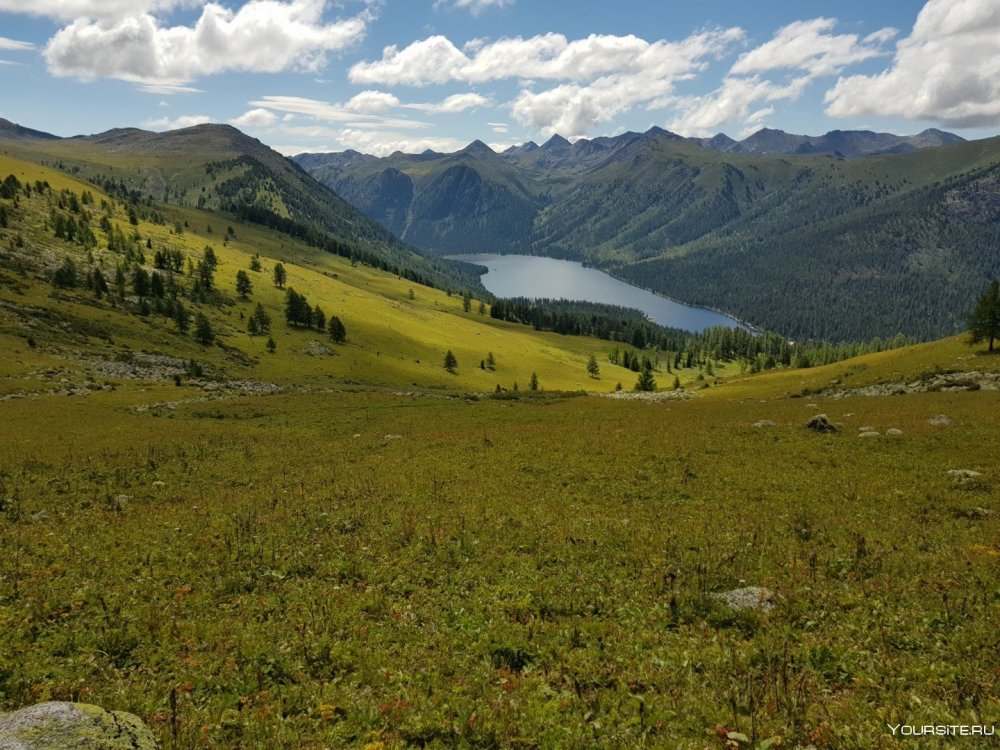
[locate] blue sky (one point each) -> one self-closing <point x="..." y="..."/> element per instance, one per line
<point x="382" y="75"/>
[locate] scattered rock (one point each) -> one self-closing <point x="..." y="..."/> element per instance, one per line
<point x="963" y="475"/>
<point x="868" y="434"/>
<point x="941" y="420"/>
<point x="748" y="597"/>
<point x="866" y="429"/>
<point x="820" y="423"/>
<point x="975" y="514"/>
<point x="764" y="423"/>
<point x="392" y="437"/>
<point x="655" y="396"/>
<point x="894" y="432"/>
<point x="73" y="726"/>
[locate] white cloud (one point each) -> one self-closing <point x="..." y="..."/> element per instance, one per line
<point x="572" y="109"/>
<point x="732" y="102"/>
<point x="262" y="36"/>
<point x="453" y="104"/>
<point x="328" y="112"/>
<point x="383" y="143"/>
<point x="69" y="10"/>
<point x="372" y="102"/>
<point x="476" y="6"/>
<point x="946" y="71"/>
<point x="185" y="121"/>
<point x="546" y="56"/>
<point x="808" y="49"/>
<point x="602" y="75"/>
<point x="808" y="46"/>
<point x="13" y="45"/>
<point x="255" y="118"/>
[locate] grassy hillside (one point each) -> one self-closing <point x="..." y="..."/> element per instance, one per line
<point x="393" y="340"/>
<point x="218" y="168"/>
<point x="344" y="545"/>
<point x="315" y="569"/>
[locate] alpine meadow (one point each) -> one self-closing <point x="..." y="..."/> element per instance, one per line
<point x="278" y="470"/>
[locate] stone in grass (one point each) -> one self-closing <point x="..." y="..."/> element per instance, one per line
<point x="868" y="434"/>
<point x="73" y="726"/>
<point x="821" y="423"/>
<point x="748" y="597"/>
<point x="941" y="420"/>
<point x="763" y="423"/>
<point x="894" y="432"/>
<point x="961" y="476"/>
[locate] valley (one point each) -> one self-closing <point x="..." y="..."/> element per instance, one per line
<point x="874" y="245"/>
<point x="269" y="537"/>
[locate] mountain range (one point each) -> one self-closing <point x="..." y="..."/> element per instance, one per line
<point x="842" y="236"/>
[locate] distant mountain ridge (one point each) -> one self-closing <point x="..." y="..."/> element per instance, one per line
<point x="847" y="235"/>
<point x="11" y="131"/>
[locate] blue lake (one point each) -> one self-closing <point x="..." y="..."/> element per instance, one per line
<point x="536" y="277"/>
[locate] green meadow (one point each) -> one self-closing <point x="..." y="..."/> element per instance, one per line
<point x="345" y="545"/>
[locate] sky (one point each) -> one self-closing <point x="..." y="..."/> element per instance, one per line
<point x="385" y="75"/>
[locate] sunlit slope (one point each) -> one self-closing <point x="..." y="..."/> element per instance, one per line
<point x="393" y="340"/>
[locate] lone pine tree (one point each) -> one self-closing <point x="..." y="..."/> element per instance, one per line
<point x="984" y="323"/>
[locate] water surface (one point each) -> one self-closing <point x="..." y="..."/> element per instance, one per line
<point x="536" y="277"/>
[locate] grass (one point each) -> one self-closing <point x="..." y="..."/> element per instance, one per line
<point x="393" y="340"/>
<point x="378" y="556"/>
<point x="308" y="570"/>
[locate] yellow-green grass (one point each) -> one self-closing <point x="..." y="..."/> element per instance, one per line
<point x="896" y="366"/>
<point x="319" y="570"/>
<point x="393" y="340"/>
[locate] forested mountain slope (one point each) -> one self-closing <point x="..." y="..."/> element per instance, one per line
<point x="812" y="245"/>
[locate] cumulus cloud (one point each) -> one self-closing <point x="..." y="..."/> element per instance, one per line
<point x="437" y="60"/>
<point x="601" y="75"/>
<point x="12" y="45"/>
<point x="372" y="102"/>
<point x="733" y="101"/>
<point x="69" y="10"/>
<point x="573" y="109"/>
<point x="184" y="121"/>
<point x="262" y="36"/>
<point x="946" y="71"/>
<point x="805" y="49"/>
<point x="255" y="118"/>
<point x="809" y="46"/>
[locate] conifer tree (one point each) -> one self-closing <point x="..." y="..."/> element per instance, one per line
<point x="984" y="323"/>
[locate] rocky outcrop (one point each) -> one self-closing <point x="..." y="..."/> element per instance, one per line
<point x="73" y="726"/>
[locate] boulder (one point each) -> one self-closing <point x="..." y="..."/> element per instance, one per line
<point x="764" y="423"/>
<point x="820" y="423"/>
<point x="894" y="432"/>
<point x="868" y="434"/>
<point x="73" y="726"/>
<point x="941" y="420"/>
<point x="748" y="597"/>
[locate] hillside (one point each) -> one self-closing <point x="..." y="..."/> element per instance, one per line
<point x="880" y="244"/>
<point x="398" y="330"/>
<point x="340" y="544"/>
<point x="219" y="169"/>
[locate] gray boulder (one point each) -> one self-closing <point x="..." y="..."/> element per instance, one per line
<point x="748" y="597"/>
<point x="763" y="423"/>
<point x="73" y="726"/>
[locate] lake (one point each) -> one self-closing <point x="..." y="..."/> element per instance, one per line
<point x="536" y="277"/>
